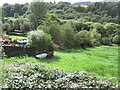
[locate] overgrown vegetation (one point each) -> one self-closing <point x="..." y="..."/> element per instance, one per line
<point x="39" y="40"/>
<point x="31" y="75"/>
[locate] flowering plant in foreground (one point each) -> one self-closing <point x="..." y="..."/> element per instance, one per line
<point x="32" y="75"/>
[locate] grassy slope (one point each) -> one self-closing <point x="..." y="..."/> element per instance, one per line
<point x="101" y="61"/>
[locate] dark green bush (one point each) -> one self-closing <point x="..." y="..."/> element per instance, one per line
<point x="95" y="37"/>
<point x="39" y="40"/>
<point x="32" y="75"/>
<point x="78" y="26"/>
<point x="116" y="39"/>
<point x="83" y="39"/>
<point x="98" y="27"/>
<point x="68" y="35"/>
<point x="6" y="27"/>
<point x="106" y="41"/>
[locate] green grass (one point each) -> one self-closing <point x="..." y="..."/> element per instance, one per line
<point x="17" y="37"/>
<point x="100" y="61"/>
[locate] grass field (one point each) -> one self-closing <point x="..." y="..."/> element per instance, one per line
<point x="17" y="37"/>
<point x="100" y="61"/>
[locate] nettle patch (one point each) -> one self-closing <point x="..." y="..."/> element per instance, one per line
<point x="32" y="75"/>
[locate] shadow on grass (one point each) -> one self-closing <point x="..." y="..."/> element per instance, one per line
<point x="74" y="50"/>
<point x="45" y="60"/>
<point x="49" y="60"/>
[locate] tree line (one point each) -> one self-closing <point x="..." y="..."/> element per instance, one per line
<point x="70" y="26"/>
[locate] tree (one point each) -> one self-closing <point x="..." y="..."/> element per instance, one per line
<point x="51" y="26"/>
<point x="6" y="27"/>
<point x="106" y="41"/>
<point x="95" y="37"/>
<point x="16" y="25"/>
<point x="16" y="15"/>
<point x="39" y="40"/>
<point x="83" y="39"/>
<point x="99" y="28"/>
<point x="38" y="10"/>
<point x="69" y="35"/>
<point x="116" y="39"/>
<point x="110" y="28"/>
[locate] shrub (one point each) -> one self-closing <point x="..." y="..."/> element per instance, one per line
<point x="69" y="35"/>
<point x="78" y="26"/>
<point x="106" y="41"/>
<point x="98" y="27"/>
<point x="16" y="15"/>
<point x="110" y="27"/>
<point x="116" y="39"/>
<point x="56" y="33"/>
<point x="6" y="27"/>
<point x="16" y="25"/>
<point x="83" y="39"/>
<point x="32" y="75"/>
<point x="39" y="40"/>
<point x="95" y="37"/>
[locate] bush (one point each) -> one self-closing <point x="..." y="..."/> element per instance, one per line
<point x="69" y="35"/>
<point x="39" y="40"/>
<point x="83" y="39"/>
<point x="6" y="27"/>
<point x="106" y="41"/>
<point x="78" y="26"/>
<point x="99" y="27"/>
<point x="116" y="39"/>
<point x="33" y="75"/>
<point x="110" y="27"/>
<point x="95" y="37"/>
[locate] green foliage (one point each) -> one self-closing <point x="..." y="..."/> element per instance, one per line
<point x="83" y="39"/>
<point x="116" y="39"/>
<point x="69" y="35"/>
<point x="38" y="10"/>
<point x="6" y="27"/>
<point x="35" y="76"/>
<point x="16" y="24"/>
<point x="48" y="17"/>
<point x="98" y="27"/>
<point x="52" y="19"/>
<point x="106" y="41"/>
<point x="39" y="40"/>
<point x="10" y="10"/>
<point x="51" y="26"/>
<point x="79" y="8"/>
<point x="95" y="37"/>
<point x="16" y="15"/>
<point x="78" y="25"/>
<point x="110" y="28"/>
